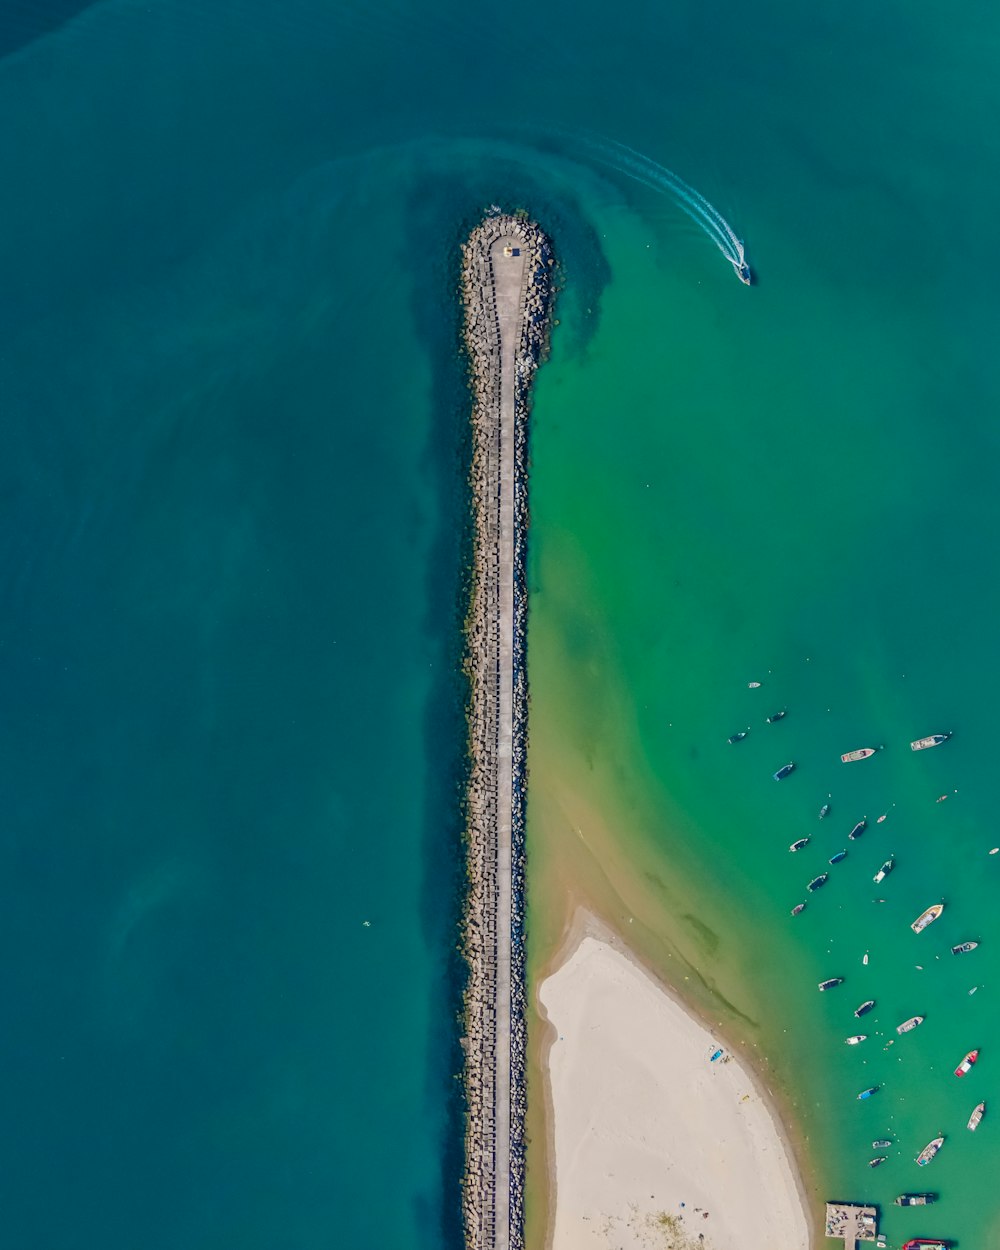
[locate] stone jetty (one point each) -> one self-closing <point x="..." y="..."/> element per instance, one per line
<point x="506" y="290"/>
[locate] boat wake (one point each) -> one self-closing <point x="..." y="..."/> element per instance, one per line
<point x="657" y="177"/>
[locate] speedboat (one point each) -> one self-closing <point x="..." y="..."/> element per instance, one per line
<point x="831" y="982"/>
<point x="908" y="1025"/>
<point x="783" y="772"/>
<point x="753" y="685"/>
<point x="865" y="1007"/>
<point x="966" y="1065"/>
<point x="932" y="740"/>
<point x="867" y="1093"/>
<point x="862" y="753"/>
<point x="816" y="882"/>
<point x="963" y="948"/>
<point x="976" y="1118"/>
<point x="776" y="716"/>
<point x="914" y="1200"/>
<point x="884" y="871"/>
<point x="929" y="1151"/>
<point x="835" y="859"/>
<point x="797" y="908"/>
<point x="927" y="917"/>
<point x="873" y="1163"/>
<point x="740" y="736"/>
<point x="824" y="810"/>
<point x="742" y="271"/>
<point x="858" y="1037"/>
<point x="797" y="846"/>
<point x="883" y="1143"/>
<point x="858" y="829"/>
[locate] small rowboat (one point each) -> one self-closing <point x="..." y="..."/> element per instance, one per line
<point x="862" y="753"/>
<point x="799" y="907"/>
<point x="927" y="917"/>
<point x="932" y="740"/>
<point x="976" y="1118"/>
<point x="966" y="1065"/>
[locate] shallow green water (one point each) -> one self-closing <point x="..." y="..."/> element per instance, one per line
<point x="232" y="563"/>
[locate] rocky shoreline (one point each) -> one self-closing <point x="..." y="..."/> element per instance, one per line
<point x="506" y="310"/>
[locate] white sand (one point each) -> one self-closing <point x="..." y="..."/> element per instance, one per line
<point x="643" y="1121"/>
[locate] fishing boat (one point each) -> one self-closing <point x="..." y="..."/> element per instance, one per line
<point x="910" y="1024"/>
<point x="831" y="982"/>
<point x="966" y="1065"/>
<point x="873" y="1163"/>
<point x="867" y="1093"/>
<point x="914" y="1200"/>
<point x="856" y="1039"/>
<point x="927" y="917"/>
<point x="775" y="717"/>
<point x="884" y="871"/>
<point x="929" y="1243"/>
<point x="797" y="908"/>
<point x="932" y="740"/>
<point x="963" y="948"/>
<point x="797" y="846"/>
<point x="783" y="772"/>
<point x="740" y="736"/>
<point x="976" y="1118"/>
<point x="865" y="1007"/>
<point x="835" y="859"/>
<point x="929" y="1151"/>
<point x="858" y="829"/>
<point x="883" y="1143"/>
<point x="824" y="811"/>
<point x="862" y="753"/>
<point x="816" y="882"/>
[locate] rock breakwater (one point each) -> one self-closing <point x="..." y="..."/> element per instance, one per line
<point x="506" y="290"/>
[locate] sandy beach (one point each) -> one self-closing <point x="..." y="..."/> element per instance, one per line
<point x="653" y="1144"/>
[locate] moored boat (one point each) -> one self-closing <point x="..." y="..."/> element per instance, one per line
<point x="966" y="1065"/>
<point x="824" y="811"/>
<point x="858" y="829"/>
<point x="882" y="818"/>
<point x="932" y="740"/>
<point x="816" y="882"/>
<point x="797" y="846"/>
<point x="856" y="1039"/>
<point x="776" y="716"/>
<point x="910" y="1024"/>
<point x="976" y="1118"/>
<point x="784" y="770"/>
<point x="738" y="737"/>
<point x="883" y="1143"/>
<point x="884" y="871"/>
<point x="865" y="1007"/>
<point x="963" y="948"/>
<point x="867" y="1093"/>
<point x="927" y="917"/>
<point x="929" y="1151"/>
<point x="830" y="982"/>
<point x="835" y="859"/>
<point x="873" y="1163"/>
<point x="862" y="753"/>
<point x="753" y="685"/>
<point x="914" y="1200"/>
<point x="799" y="907"/>
<point x="928" y="1243"/>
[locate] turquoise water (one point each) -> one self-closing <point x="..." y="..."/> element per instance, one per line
<point x="234" y="542"/>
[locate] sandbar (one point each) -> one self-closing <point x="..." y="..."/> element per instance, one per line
<point x="651" y="1143"/>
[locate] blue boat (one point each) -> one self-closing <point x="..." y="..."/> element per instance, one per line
<point x="867" y="1093"/>
<point x="835" y="859"/>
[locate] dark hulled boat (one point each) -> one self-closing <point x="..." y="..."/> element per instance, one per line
<point x="816" y="882"/>
<point x="783" y="772"/>
<point x="858" y="829"/>
<point x="865" y="1007"/>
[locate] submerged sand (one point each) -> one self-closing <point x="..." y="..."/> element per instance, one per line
<point x="653" y="1144"/>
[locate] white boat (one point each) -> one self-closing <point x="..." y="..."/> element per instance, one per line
<point x="862" y="753"/>
<point x="929" y="1151"/>
<point x="927" y="917"/>
<point x="856" y="1039"/>
<point x="976" y="1117"/>
<point x="910" y="1024"/>
<point x="932" y="740"/>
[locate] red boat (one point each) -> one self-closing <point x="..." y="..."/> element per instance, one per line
<point x="931" y="1243"/>
<point x="964" y="1067"/>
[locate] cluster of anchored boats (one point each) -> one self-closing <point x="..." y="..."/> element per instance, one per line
<point x="922" y="922"/>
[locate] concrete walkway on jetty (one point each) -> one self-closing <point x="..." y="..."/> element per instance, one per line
<point x="506" y="293"/>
